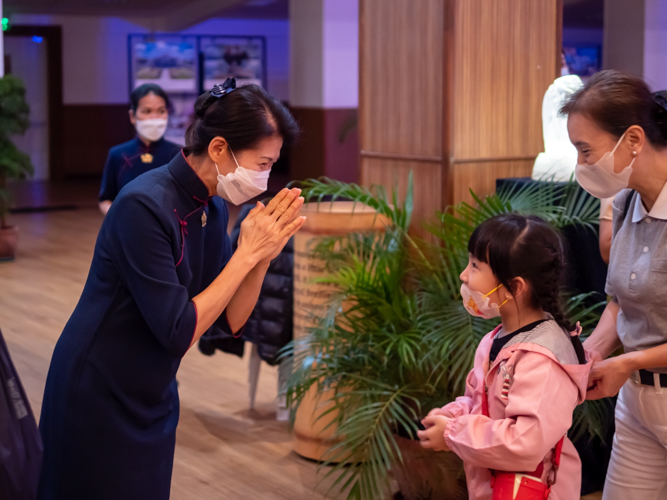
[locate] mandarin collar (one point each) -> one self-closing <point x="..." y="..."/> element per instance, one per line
<point x="151" y="146"/>
<point x="659" y="210"/>
<point x="188" y="178"/>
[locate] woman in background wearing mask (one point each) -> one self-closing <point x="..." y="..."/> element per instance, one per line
<point x="620" y="131"/>
<point x="163" y="274"/>
<point x="149" y="113"/>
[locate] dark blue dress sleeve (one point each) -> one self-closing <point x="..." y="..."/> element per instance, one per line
<point x="141" y="251"/>
<point x="109" y="188"/>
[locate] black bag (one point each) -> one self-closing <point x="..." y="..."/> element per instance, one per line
<point x="20" y="442"/>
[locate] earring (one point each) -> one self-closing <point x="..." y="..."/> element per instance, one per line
<point x="634" y="153"/>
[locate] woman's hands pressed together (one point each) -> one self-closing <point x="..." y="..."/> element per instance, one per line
<point x="264" y="233"/>
<point x="266" y="229"/>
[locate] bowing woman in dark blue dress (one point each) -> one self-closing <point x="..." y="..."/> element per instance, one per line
<point x="149" y="113"/>
<point x="163" y="274"/>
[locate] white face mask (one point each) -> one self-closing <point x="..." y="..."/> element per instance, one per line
<point x="478" y="304"/>
<point x="243" y="184"/>
<point x="599" y="179"/>
<point x="152" y="129"/>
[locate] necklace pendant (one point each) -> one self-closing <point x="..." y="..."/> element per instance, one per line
<point x="203" y="219"/>
<point x="147" y="158"/>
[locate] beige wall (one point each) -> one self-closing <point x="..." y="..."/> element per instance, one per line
<point x="95" y="52"/>
<point x="635" y="39"/>
<point x="655" y="44"/>
<point x="623" y="47"/>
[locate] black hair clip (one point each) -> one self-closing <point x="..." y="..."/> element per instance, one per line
<point x="660" y="99"/>
<point x="228" y="86"/>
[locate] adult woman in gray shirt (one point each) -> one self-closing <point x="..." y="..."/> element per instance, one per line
<point x="620" y="131"/>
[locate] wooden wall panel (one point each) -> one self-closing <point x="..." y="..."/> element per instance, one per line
<point x="453" y="89"/>
<point x="307" y="155"/>
<point x="505" y="60"/>
<point x="89" y="131"/>
<point x="481" y="176"/>
<point x="328" y="145"/>
<point x="401" y="76"/>
<point x="427" y="178"/>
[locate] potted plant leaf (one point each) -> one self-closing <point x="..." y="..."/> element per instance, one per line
<point x="396" y="341"/>
<point x="14" y="164"/>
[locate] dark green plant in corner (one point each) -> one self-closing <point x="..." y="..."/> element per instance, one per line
<point x="397" y="341"/>
<point x="14" y="164"/>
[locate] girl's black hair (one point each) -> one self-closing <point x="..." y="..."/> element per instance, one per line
<point x="615" y="101"/>
<point x="528" y="247"/>
<point x="243" y="117"/>
<point x="145" y="89"/>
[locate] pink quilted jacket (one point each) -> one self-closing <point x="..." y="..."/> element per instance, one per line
<point x="534" y="385"/>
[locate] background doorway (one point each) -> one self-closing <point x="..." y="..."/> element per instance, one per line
<point x="26" y="57"/>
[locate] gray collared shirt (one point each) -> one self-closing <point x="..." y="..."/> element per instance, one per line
<point x="637" y="275"/>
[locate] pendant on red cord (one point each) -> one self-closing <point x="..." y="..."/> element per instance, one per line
<point x="203" y="219"/>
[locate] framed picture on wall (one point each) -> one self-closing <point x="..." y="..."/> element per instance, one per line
<point x="180" y="117"/>
<point x="583" y="60"/>
<point x="240" y="57"/>
<point x="171" y="61"/>
<point x="186" y="65"/>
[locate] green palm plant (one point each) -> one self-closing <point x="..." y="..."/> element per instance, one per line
<point x="396" y="340"/>
<point x="14" y="112"/>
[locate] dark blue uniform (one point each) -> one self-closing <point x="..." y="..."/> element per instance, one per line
<point x="111" y="404"/>
<point x="129" y="160"/>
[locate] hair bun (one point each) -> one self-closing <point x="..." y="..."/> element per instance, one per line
<point x="243" y="119"/>
<point x="203" y="103"/>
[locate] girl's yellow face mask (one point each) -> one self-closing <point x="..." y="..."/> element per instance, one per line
<point x="479" y="304"/>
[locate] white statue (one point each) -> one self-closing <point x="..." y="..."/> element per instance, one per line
<point x="560" y="156"/>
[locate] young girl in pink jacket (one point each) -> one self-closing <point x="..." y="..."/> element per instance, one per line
<point x="529" y="373"/>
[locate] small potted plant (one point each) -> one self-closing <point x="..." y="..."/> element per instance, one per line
<point x="14" y="164"/>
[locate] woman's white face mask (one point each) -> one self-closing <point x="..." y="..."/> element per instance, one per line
<point x="600" y="179"/>
<point x="243" y="184"/>
<point x="151" y="129"/>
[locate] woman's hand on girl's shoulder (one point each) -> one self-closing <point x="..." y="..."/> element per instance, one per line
<point x="607" y="377"/>
<point x="434" y="436"/>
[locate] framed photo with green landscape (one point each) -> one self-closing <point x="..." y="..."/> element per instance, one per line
<point x="171" y="61"/>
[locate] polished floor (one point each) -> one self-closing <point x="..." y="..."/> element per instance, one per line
<point x="224" y="451"/>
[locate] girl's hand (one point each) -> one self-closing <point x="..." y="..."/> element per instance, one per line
<point x="439" y="411"/>
<point x="607" y="377"/>
<point x="266" y="229"/>
<point x="433" y="412"/>
<point x="434" y="435"/>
